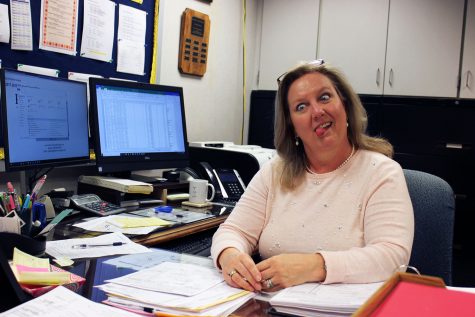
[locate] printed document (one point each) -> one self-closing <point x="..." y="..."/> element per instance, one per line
<point x="174" y="278"/>
<point x="131" y="40"/>
<point x="98" y="30"/>
<point x="106" y="224"/>
<point x="38" y="70"/>
<point x="20" y="14"/>
<point x="58" y="26"/>
<point x="64" y="248"/>
<point x="4" y="24"/>
<point x="82" y="77"/>
<point x="335" y="298"/>
<point x="61" y="302"/>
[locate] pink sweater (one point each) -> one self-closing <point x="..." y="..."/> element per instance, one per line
<point x="358" y="217"/>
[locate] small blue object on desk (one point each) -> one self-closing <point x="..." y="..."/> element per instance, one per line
<point x="38" y="212"/>
<point x="164" y="209"/>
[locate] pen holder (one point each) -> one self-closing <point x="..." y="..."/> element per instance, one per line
<point x="9" y="240"/>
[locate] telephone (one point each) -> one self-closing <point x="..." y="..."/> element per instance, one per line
<point x="227" y="182"/>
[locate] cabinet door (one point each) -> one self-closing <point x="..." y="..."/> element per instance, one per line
<point x="352" y="36"/>
<point x="423" y="50"/>
<point x="467" y="84"/>
<point x="289" y="35"/>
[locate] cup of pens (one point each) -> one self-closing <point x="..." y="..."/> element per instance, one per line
<point x="22" y="220"/>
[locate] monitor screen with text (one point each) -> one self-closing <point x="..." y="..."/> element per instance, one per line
<point x="137" y="126"/>
<point x="45" y="120"/>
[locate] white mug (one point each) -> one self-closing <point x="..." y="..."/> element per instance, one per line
<point x="199" y="191"/>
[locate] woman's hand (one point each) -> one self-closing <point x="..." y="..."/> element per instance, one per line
<point x="239" y="270"/>
<point x="286" y="270"/>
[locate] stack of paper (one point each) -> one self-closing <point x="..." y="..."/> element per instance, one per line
<point x="122" y="185"/>
<point x="176" y="288"/>
<point x="62" y="302"/>
<point x="314" y="299"/>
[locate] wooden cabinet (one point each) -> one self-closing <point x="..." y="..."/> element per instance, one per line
<point x="352" y="36"/>
<point x="419" y="56"/>
<point x="289" y="35"/>
<point x="467" y="82"/>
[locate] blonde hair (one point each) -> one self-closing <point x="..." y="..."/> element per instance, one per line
<point x="294" y="160"/>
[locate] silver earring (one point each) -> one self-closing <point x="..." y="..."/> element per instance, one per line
<point x="297" y="143"/>
<point x="347" y="124"/>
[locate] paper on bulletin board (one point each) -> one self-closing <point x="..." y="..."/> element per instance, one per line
<point x="20" y="13"/>
<point x="98" y="30"/>
<point x="4" y="24"/>
<point x="58" y="26"/>
<point x="38" y="70"/>
<point x="132" y="24"/>
<point x="130" y="57"/>
<point x="84" y="78"/>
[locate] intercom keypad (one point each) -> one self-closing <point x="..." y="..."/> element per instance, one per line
<point x="194" y="42"/>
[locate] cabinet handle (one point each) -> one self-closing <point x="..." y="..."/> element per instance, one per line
<point x="469" y="74"/>
<point x="391" y="73"/>
<point x="378" y="74"/>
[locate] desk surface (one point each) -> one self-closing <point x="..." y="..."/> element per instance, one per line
<point x="253" y="308"/>
<point x="66" y="230"/>
<point x="111" y="267"/>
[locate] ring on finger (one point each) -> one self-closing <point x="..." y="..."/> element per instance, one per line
<point x="269" y="283"/>
<point x="231" y="273"/>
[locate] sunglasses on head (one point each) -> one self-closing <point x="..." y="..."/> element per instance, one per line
<point x="316" y="62"/>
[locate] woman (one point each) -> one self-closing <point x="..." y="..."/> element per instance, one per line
<point x="332" y="207"/>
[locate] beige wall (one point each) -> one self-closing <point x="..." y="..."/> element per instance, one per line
<point x="213" y="103"/>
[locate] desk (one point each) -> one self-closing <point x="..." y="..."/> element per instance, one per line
<point x="91" y="269"/>
<point x="66" y="230"/>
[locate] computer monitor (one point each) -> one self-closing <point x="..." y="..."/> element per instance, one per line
<point x="45" y="121"/>
<point x="137" y="126"/>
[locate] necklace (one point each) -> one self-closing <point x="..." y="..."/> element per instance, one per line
<point x="339" y="166"/>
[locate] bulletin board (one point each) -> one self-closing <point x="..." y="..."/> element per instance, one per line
<point x="67" y="63"/>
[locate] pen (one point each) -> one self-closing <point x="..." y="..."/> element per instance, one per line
<point x="37" y="188"/>
<point x="85" y="246"/>
<point x="26" y="204"/>
<point x="13" y="197"/>
<point x="5" y="202"/>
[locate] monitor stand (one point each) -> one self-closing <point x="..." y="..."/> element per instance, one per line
<point x="139" y="178"/>
<point x="147" y="179"/>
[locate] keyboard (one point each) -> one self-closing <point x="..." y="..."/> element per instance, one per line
<point x="197" y="244"/>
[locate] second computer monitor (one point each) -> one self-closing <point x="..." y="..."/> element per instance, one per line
<point x="44" y="121"/>
<point x="137" y="126"/>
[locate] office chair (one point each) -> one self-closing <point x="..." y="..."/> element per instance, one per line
<point x="434" y="207"/>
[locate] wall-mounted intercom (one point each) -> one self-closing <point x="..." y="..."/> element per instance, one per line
<point x="194" y="41"/>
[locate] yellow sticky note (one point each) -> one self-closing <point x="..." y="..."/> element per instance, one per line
<point x="24" y="259"/>
<point x="44" y="278"/>
<point x="133" y="222"/>
<point x="62" y="261"/>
